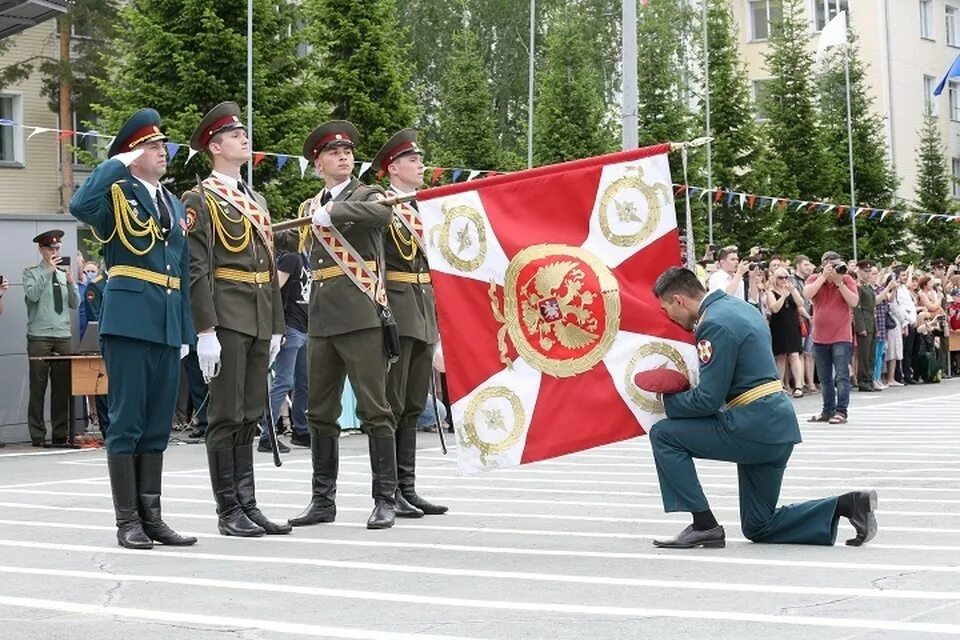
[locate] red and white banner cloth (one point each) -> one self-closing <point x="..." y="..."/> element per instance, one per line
<point x="543" y="282"/>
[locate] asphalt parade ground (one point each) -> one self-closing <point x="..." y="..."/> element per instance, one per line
<point x="558" y="549"/>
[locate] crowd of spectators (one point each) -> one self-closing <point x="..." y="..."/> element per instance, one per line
<point x="847" y="325"/>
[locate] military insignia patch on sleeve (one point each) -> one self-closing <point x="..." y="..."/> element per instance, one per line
<point x="191" y="222"/>
<point x="705" y="351"/>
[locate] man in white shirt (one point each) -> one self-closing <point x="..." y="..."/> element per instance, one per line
<point x="909" y="308"/>
<point x="729" y="277"/>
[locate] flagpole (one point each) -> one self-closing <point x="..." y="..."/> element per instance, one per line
<point x="853" y="193"/>
<point x="533" y="15"/>
<point x="708" y="134"/>
<point x="628" y="116"/>
<point x="250" y="89"/>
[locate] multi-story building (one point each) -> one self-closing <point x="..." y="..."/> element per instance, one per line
<point x="907" y="46"/>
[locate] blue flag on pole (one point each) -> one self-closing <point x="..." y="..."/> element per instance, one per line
<point x="952" y="72"/>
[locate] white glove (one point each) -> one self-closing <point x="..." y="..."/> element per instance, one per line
<point x="438" y="362"/>
<point x="274" y="347"/>
<point x="184" y="350"/>
<point x="208" y="354"/>
<point x="127" y="157"/>
<point x="321" y="218"/>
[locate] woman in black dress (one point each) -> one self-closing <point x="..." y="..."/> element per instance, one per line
<point x="786" y="305"/>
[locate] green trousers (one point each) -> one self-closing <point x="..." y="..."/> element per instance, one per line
<point x="238" y="395"/>
<point x="58" y="374"/>
<point x="677" y="441"/>
<point x="357" y="356"/>
<point x="409" y="382"/>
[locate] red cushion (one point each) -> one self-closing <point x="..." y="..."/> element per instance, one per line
<point x="661" y="380"/>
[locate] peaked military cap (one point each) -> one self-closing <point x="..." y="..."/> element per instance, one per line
<point x="330" y="134"/>
<point x="223" y="117"/>
<point x="49" y="238"/>
<point x="143" y="126"/>
<point x="402" y="143"/>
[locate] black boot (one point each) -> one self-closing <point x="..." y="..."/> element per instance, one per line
<point x="383" y="465"/>
<point x="123" y="485"/>
<point x="232" y="520"/>
<point x="246" y="491"/>
<point x="325" y="455"/>
<point x="149" y="472"/>
<point x="859" y="507"/>
<point x="406" y="473"/>
<point x="405" y="509"/>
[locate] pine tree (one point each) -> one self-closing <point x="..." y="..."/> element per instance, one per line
<point x="797" y="166"/>
<point x="363" y="57"/>
<point x="466" y="136"/>
<point x="874" y="179"/>
<point x="936" y="239"/>
<point x="182" y="57"/>
<point x="735" y="151"/>
<point x="569" y="109"/>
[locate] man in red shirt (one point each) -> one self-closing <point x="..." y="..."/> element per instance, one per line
<point x="833" y="294"/>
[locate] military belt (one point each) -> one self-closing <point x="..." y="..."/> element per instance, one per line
<point x="236" y="275"/>
<point x="333" y="272"/>
<point x="161" y="279"/>
<point x="764" y="390"/>
<point x="408" y="277"/>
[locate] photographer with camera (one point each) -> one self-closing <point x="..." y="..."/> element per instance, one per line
<point x="730" y="275"/>
<point x="833" y="293"/>
<point x="50" y="292"/>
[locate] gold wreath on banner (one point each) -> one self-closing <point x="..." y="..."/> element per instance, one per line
<point x="484" y="415"/>
<point x="626" y="209"/>
<point x="452" y="244"/>
<point x="644" y="399"/>
<point x="553" y="312"/>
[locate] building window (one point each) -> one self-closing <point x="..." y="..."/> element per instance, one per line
<point x="88" y="150"/>
<point x="929" y="82"/>
<point x="763" y="15"/>
<point x="826" y="10"/>
<point x="11" y="138"/>
<point x="953" y="26"/>
<point x="761" y="93"/>
<point x="954" y="92"/>
<point x="926" y="19"/>
<point x="955" y="171"/>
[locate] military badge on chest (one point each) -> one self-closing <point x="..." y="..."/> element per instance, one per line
<point x="705" y="351"/>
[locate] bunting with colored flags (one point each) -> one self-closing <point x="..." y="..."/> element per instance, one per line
<point x="543" y="281"/>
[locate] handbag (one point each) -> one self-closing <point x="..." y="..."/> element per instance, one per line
<point x="391" y="335"/>
<point x="804" y="330"/>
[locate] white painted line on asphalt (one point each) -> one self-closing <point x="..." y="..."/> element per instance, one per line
<point x="545" y="503"/>
<point x="230" y="622"/>
<point x="561" y="608"/>
<point x="44" y="452"/>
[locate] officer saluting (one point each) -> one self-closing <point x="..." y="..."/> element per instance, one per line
<point x="238" y="313"/>
<point x="410" y="294"/>
<point x="738" y="413"/>
<point x="345" y="334"/>
<point x="145" y="322"/>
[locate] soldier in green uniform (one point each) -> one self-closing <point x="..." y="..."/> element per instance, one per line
<point x="238" y="313"/>
<point x="145" y="323"/>
<point x="737" y="413"/>
<point x="345" y="335"/>
<point x="49" y="293"/>
<point x="410" y="294"/>
<point x="93" y="301"/>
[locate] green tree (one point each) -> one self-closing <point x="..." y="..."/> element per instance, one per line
<point x="14" y="71"/>
<point x="792" y="129"/>
<point x="936" y="239"/>
<point x="363" y="54"/>
<point x="466" y="135"/>
<point x="735" y="149"/>
<point x="874" y="179"/>
<point x="570" y="116"/>
<point x="183" y="57"/>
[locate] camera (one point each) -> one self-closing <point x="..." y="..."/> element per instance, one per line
<point x="64" y="261"/>
<point x="763" y="265"/>
<point x="840" y="268"/>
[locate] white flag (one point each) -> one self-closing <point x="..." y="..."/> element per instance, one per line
<point x="304" y="163"/>
<point x="364" y="167"/>
<point x="833" y="35"/>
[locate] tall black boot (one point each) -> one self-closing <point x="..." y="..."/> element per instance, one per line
<point x="383" y="465"/>
<point x="232" y="520"/>
<point x="325" y="455"/>
<point x="149" y="472"/>
<point x="123" y="485"/>
<point x="246" y="492"/>
<point x="406" y="472"/>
